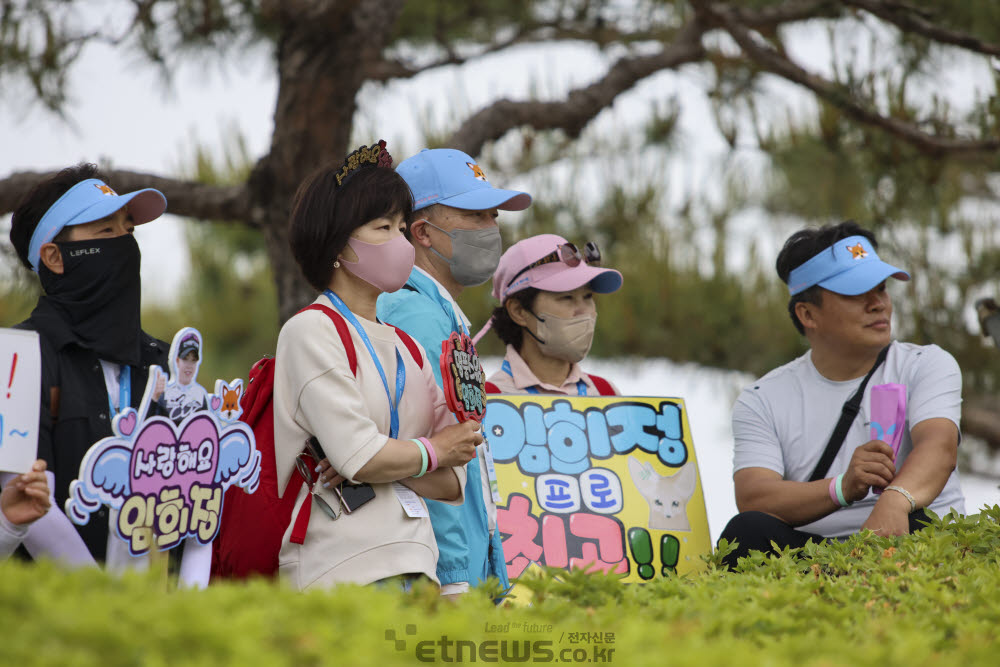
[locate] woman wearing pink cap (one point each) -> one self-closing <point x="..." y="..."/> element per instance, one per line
<point x="546" y="317"/>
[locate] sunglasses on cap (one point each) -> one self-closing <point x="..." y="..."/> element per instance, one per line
<point x="568" y="254"/>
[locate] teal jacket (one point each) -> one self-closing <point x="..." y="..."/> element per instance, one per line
<point x="467" y="552"/>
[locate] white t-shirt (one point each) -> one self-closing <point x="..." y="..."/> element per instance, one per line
<point x="180" y="400"/>
<point x="783" y="421"/>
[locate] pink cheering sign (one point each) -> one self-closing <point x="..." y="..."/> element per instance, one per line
<point x="463" y="378"/>
<point x="166" y="474"/>
<point x="160" y="455"/>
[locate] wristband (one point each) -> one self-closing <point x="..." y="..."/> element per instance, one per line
<point x="840" y="491"/>
<point x="833" y="490"/>
<point x="423" y="457"/>
<point x="432" y="453"/>
<point x="906" y="494"/>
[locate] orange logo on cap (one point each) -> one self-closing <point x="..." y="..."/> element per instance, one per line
<point x="857" y="251"/>
<point x="477" y="170"/>
<point x="105" y="189"/>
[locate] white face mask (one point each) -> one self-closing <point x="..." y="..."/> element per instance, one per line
<point x="566" y="338"/>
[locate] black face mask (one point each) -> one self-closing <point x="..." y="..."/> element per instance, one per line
<point x="98" y="295"/>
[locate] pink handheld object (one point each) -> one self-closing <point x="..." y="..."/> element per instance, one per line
<point x="888" y="416"/>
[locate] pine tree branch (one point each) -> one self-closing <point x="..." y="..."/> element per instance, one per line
<point x="603" y="35"/>
<point x="398" y="68"/>
<point x="908" y="19"/>
<point x="770" y="17"/>
<point x="537" y="33"/>
<point x="221" y="203"/>
<point x="768" y="59"/>
<point x="582" y="104"/>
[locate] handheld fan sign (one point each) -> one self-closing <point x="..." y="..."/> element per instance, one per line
<point x="888" y="417"/>
<point x="463" y="378"/>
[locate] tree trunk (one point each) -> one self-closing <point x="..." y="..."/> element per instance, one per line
<point x="322" y="57"/>
<point x="981" y="419"/>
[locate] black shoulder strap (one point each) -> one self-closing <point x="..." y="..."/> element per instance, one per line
<point x="50" y="373"/>
<point x="847" y="415"/>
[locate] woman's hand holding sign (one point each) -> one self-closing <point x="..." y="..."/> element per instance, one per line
<point x="456" y="444"/>
<point x="26" y="497"/>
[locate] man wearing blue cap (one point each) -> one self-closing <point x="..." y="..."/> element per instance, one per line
<point x="794" y="480"/>
<point x="75" y="232"/>
<point x="457" y="244"/>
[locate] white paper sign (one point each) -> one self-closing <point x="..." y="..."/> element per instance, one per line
<point x="20" y="389"/>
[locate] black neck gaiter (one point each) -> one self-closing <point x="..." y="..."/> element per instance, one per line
<point x="98" y="295"/>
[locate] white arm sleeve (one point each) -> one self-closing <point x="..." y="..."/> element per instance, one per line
<point x="196" y="564"/>
<point x="53" y="536"/>
<point x="10" y="536"/>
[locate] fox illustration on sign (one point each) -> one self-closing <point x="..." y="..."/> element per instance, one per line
<point x="667" y="496"/>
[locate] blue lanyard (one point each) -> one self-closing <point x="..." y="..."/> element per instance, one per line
<point x="459" y="324"/>
<point x="581" y="386"/>
<point x="400" y="368"/>
<point x="124" y="391"/>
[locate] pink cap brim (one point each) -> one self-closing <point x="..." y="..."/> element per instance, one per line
<point x="557" y="277"/>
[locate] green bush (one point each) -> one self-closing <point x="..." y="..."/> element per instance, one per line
<point x="926" y="599"/>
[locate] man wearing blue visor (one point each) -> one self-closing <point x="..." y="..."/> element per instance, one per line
<point x="806" y="465"/>
<point x="75" y="232"/>
<point x="456" y="244"/>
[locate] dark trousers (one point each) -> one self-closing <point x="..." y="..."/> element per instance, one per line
<point x="754" y="531"/>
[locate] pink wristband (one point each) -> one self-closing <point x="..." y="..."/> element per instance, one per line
<point x="431" y="454"/>
<point x="833" y="491"/>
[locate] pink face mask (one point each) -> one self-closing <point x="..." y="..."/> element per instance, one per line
<point x="387" y="265"/>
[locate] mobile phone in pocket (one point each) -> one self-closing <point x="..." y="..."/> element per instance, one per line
<point x="314" y="449"/>
<point x="353" y="496"/>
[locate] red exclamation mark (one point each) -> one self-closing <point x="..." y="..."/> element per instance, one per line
<point x="13" y="367"/>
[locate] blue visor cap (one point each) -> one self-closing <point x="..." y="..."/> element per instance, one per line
<point x="450" y="177"/>
<point x="88" y="201"/>
<point x="850" y="266"/>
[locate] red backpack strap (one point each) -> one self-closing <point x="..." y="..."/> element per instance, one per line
<point x="603" y="387"/>
<point x="411" y="345"/>
<point x="345" y="333"/>
<point x="492" y="388"/>
<point x="301" y="524"/>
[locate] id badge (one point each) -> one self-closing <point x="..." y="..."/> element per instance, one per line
<point x="491" y="471"/>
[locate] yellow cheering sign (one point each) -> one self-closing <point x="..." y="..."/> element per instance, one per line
<point x="605" y="483"/>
